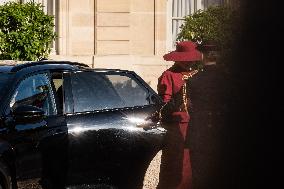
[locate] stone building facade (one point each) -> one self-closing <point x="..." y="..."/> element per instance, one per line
<point x="121" y="34"/>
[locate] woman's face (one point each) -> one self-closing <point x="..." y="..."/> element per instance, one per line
<point x="186" y="65"/>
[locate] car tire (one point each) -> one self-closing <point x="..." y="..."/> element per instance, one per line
<point x="5" y="177"/>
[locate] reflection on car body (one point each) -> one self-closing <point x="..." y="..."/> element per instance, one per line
<point x="68" y="124"/>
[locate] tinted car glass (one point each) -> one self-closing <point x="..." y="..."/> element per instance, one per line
<point x="4" y="82"/>
<point x="92" y="91"/>
<point x="129" y="90"/>
<point x="35" y="91"/>
<point x="97" y="91"/>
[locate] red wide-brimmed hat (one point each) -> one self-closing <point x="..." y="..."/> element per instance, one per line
<point x="185" y="51"/>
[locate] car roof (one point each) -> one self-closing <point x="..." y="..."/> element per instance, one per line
<point x="5" y="68"/>
<point x="49" y="64"/>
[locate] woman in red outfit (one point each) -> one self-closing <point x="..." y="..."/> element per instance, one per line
<point x="175" y="172"/>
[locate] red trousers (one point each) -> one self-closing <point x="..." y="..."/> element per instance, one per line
<point x="175" y="171"/>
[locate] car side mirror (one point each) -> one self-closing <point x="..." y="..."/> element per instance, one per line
<point x="27" y="114"/>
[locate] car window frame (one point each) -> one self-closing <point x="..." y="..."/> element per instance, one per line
<point x="129" y="74"/>
<point x="68" y="106"/>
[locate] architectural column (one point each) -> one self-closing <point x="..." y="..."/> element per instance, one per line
<point x="63" y="27"/>
<point x="160" y="27"/>
<point x="76" y="27"/>
<point x="113" y="27"/>
<point x="82" y="27"/>
<point x="142" y="21"/>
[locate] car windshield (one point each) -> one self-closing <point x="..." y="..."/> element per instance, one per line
<point x="5" y="78"/>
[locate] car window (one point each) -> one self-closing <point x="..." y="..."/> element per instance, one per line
<point x="97" y="91"/>
<point x="129" y="90"/>
<point x="36" y="91"/>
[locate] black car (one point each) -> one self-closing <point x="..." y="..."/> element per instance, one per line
<point x="68" y="124"/>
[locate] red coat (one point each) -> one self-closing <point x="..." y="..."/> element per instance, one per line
<point x="170" y="85"/>
<point x="175" y="172"/>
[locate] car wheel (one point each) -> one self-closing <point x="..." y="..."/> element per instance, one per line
<point x="5" y="177"/>
<point x="151" y="178"/>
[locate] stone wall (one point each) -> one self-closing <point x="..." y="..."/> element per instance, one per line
<point x="147" y="67"/>
<point x="120" y="34"/>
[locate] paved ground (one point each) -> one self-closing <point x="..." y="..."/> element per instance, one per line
<point x="29" y="184"/>
<point x="151" y="179"/>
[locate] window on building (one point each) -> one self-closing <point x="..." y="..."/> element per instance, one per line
<point x="178" y="9"/>
<point x="48" y="5"/>
<point x="2" y="2"/>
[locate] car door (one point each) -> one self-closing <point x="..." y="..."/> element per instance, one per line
<point x="31" y="139"/>
<point x="105" y="143"/>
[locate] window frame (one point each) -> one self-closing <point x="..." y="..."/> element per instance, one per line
<point x="195" y="5"/>
<point x="59" y="112"/>
<point x="50" y="7"/>
<point x="170" y="19"/>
